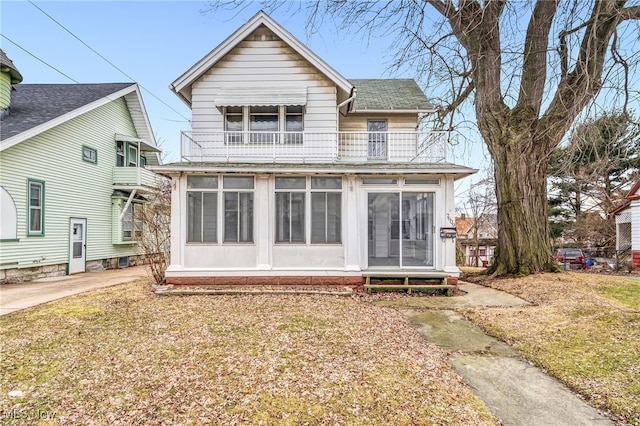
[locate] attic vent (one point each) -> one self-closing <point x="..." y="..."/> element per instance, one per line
<point x="264" y="37"/>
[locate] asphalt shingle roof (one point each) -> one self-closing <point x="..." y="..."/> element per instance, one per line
<point x="36" y="104"/>
<point x="389" y="95"/>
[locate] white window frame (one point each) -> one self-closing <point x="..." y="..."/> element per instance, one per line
<point x="229" y="189"/>
<point x="326" y="191"/>
<point x="264" y="137"/>
<point x="202" y="191"/>
<point x="132" y="218"/>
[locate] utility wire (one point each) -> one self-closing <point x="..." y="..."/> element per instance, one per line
<point x="31" y="54"/>
<point x="107" y="61"/>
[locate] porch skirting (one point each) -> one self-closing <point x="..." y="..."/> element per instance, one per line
<point x="288" y="279"/>
<point x="354" y="282"/>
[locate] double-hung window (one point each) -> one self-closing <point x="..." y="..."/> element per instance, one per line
<point x="294" y="124"/>
<point x="120" y="156"/>
<point x="202" y="209"/>
<point x="326" y="210"/>
<point x="238" y="209"/>
<point x="36" y="207"/>
<point x="132" y="223"/>
<point x="265" y="124"/>
<point x="133" y="155"/>
<point x="290" y="209"/>
<point x="233" y="124"/>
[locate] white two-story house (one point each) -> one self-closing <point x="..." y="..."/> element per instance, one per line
<point x="293" y="174"/>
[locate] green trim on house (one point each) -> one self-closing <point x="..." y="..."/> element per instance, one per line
<point x="95" y="154"/>
<point x="39" y="233"/>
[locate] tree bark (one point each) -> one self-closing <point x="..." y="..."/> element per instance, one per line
<point x="524" y="245"/>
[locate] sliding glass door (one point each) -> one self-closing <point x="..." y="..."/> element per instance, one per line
<point x="400" y="229"/>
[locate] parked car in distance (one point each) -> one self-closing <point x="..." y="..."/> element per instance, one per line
<point x="573" y="257"/>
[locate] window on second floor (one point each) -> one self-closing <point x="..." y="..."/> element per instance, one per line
<point x="127" y="155"/>
<point x="89" y="154"/>
<point x="265" y="124"/>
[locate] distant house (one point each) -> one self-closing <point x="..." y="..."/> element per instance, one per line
<point x="72" y="173"/>
<point x="480" y="251"/>
<point x="293" y="174"/>
<point x="627" y="217"/>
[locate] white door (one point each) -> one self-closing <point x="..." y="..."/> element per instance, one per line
<point x="77" y="245"/>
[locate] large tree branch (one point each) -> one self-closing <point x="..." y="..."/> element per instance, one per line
<point x="630" y="13"/>
<point x="461" y="96"/>
<point x="534" y="68"/>
<point x="579" y="86"/>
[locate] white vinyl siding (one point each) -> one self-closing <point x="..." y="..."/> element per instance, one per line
<point x="270" y="64"/>
<point x="74" y="188"/>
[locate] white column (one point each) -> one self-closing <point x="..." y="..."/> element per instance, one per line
<point x="264" y="222"/>
<point x="449" y="244"/>
<point x="351" y="231"/>
<point x="177" y="228"/>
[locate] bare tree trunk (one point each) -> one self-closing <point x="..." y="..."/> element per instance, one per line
<point x="524" y="244"/>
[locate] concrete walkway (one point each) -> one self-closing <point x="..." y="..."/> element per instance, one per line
<point x="14" y="297"/>
<point x="514" y="390"/>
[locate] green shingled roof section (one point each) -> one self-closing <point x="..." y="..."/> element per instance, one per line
<point x="389" y="95"/>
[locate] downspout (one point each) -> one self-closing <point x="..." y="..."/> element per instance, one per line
<point x="138" y="165"/>
<point x="340" y="105"/>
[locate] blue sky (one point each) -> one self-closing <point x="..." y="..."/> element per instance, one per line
<point x="154" y="42"/>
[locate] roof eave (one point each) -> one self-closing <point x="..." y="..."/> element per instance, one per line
<point x="16" y="139"/>
<point x="458" y="171"/>
<point x="393" y="111"/>
<point x="145" y="131"/>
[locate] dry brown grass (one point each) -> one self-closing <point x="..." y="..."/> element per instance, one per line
<point x="584" y="329"/>
<point x="125" y="356"/>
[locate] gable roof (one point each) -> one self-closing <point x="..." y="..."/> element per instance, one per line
<point x="464" y="224"/>
<point x="389" y="95"/>
<point x="634" y="194"/>
<point x="36" y="108"/>
<point x="182" y="85"/>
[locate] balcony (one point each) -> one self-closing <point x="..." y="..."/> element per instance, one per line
<point x="305" y="147"/>
<point x="134" y="178"/>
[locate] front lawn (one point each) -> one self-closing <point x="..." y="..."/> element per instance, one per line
<point x="125" y="356"/>
<point x="584" y="329"/>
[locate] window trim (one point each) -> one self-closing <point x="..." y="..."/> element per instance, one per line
<point x="39" y="233"/>
<point x="238" y="191"/>
<point x="280" y="135"/>
<point x="215" y="191"/>
<point x="308" y="216"/>
<point x="121" y="147"/>
<point x="86" y="148"/>
<point x="136" y="163"/>
<point x="136" y="225"/>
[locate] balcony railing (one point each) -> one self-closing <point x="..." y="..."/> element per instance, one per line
<point x="135" y="177"/>
<point x="306" y="147"/>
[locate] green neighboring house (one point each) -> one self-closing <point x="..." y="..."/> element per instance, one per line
<point x="72" y="173"/>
